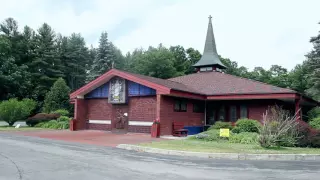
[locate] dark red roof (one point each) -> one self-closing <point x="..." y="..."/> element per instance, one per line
<point x="204" y="83"/>
<point x="163" y="82"/>
<point x="217" y="83"/>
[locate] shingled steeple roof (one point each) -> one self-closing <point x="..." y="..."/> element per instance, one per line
<point x="210" y="57"/>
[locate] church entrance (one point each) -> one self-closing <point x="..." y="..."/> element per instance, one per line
<point x="119" y="121"/>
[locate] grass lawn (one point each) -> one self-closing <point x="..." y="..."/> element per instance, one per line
<point x="24" y="128"/>
<point x="225" y="147"/>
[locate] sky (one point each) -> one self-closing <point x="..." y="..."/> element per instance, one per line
<point x="250" y="32"/>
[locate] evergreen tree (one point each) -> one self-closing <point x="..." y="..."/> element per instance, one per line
<point x="75" y="57"/>
<point x="57" y="97"/>
<point x="105" y="58"/>
<point x="14" y="76"/>
<point x="299" y="78"/>
<point x="46" y="67"/>
<point x="313" y="66"/>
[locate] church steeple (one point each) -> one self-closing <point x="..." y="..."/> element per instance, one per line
<point x="210" y="59"/>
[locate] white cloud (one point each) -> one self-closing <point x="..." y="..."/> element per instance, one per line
<point x="253" y="33"/>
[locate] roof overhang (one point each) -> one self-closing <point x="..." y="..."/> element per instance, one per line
<point x="290" y="96"/>
<point x="112" y="73"/>
<point x="252" y="96"/>
<point x="187" y="95"/>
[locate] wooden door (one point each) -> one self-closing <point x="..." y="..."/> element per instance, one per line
<point x="120" y="118"/>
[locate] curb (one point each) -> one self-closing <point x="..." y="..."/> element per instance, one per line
<point x="232" y="156"/>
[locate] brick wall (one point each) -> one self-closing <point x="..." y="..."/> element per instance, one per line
<point x="168" y="115"/>
<point x="80" y="114"/>
<point x="140" y="129"/>
<point x="138" y="109"/>
<point x="142" y="108"/>
<point x="101" y="127"/>
<point x="99" y="109"/>
<point x="255" y="111"/>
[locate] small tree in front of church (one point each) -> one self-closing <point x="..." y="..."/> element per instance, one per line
<point x="57" y="97"/>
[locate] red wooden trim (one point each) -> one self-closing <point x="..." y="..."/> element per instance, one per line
<point x="113" y="72"/>
<point x="142" y="81"/>
<point x="90" y="84"/>
<point x="253" y="96"/>
<point x="187" y="95"/>
<point x="75" y="109"/>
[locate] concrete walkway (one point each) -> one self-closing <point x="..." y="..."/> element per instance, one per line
<point x="232" y="156"/>
<point x="102" y="138"/>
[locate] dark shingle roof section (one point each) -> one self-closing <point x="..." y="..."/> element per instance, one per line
<point x="169" y="84"/>
<point x="217" y="83"/>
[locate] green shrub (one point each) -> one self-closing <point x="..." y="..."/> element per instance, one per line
<point x="248" y="125"/>
<point x="313" y="113"/>
<point x="244" y="138"/>
<point x="57" y="97"/>
<point x="64" y="125"/>
<point x="50" y="124"/>
<point x="40" y="125"/>
<point x="315" y="123"/>
<point x="61" y="112"/>
<point x="41" y="117"/>
<point x="13" y="110"/>
<point x="63" y="119"/>
<point x="315" y="140"/>
<point x="236" y="130"/>
<point x="279" y="128"/>
<point x="220" y="124"/>
<point x="53" y="124"/>
<point x="210" y="135"/>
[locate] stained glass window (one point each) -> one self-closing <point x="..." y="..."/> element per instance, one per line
<point x="117" y="90"/>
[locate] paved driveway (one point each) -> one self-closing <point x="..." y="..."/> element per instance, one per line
<point x="104" y="138"/>
<point x="33" y="158"/>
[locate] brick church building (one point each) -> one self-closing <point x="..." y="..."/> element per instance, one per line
<point x="131" y="102"/>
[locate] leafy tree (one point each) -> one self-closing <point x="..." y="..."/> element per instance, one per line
<point x="193" y="57"/>
<point x="13" y="110"/>
<point x="280" y="76"/>
<point x="57" y="97"/>
<point x="180" y="62"/>
<point x="155" y="62"/>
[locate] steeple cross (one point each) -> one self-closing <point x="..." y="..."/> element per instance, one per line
<point x="210" y="17"/>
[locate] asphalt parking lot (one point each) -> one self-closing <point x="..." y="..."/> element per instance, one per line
<point x="34" y="158"/>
